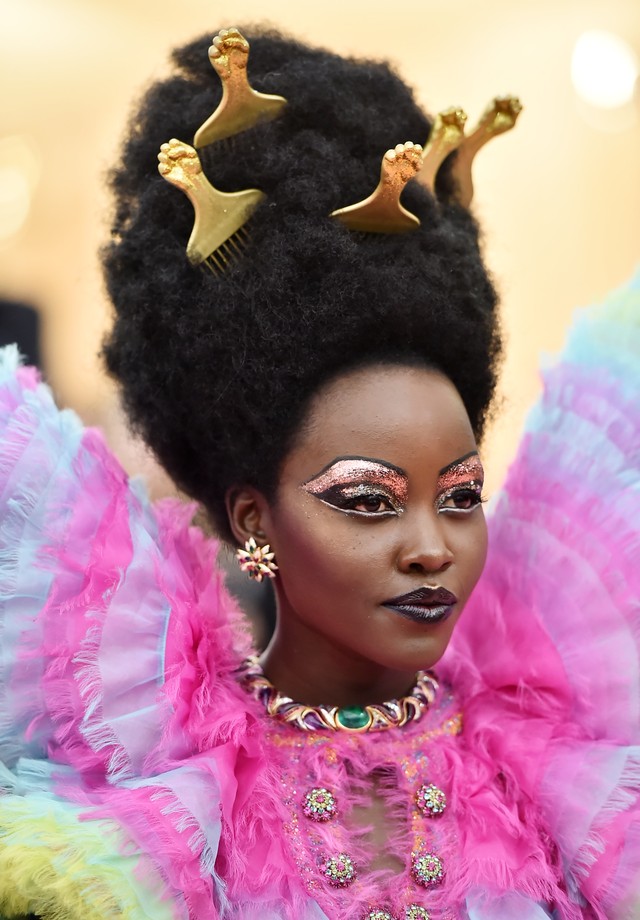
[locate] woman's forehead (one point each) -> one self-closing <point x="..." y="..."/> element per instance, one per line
<point x="406" y="417"/>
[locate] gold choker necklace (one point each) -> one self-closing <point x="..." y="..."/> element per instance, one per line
<point x="375" y="718"/>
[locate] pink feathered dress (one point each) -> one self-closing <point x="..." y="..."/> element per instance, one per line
<point x="138" y="779"/>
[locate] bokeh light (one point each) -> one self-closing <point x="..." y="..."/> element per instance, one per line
<point x="604" y="69"/>
<point x="19" y="173"/>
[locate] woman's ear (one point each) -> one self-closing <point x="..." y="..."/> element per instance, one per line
<point x="247" y="510"/>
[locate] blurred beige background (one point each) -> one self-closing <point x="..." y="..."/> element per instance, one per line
<point x="559" y="197"/>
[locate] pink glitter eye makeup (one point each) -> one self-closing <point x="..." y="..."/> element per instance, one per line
<point x="460" y="485"/>
<point x="359" y="485"/>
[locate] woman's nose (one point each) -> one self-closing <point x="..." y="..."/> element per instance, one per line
<point x="425" y="547"/>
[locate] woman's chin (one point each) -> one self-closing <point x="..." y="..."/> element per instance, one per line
<point x="418" y="646"/>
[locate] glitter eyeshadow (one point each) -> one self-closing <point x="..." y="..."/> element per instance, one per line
<point x="462" y="472"/>
<point x="347" y="472"/>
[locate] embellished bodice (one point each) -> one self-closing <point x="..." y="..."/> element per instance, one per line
<point x="370" y="825"/>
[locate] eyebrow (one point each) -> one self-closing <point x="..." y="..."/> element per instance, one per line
<point x="385" y="463"/>
<point x="450" y="466"/>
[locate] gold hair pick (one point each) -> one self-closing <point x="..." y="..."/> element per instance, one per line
<point x="446" y="135"/>
<point x="500" y="116"/>
<point x="382" y="212"/>
<point x="241" y="106"/>
<point x="218" y="234"/>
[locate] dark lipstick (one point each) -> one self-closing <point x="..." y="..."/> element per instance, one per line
<point x="424" y="605"/>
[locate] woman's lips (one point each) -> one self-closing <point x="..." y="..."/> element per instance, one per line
<point x="424" y="605"/>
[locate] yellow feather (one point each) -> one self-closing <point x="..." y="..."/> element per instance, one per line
<point x="59" y="867"/>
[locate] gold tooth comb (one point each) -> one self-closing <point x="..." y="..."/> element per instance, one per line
<point x="447" y="133"/>
<point x="241" y="106"/>
<point x="500" y="116"/>
<point x="382" y="212"/>
<point x="218" y="236"/>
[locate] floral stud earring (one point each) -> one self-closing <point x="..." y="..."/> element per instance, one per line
<point x="256" y="561"/>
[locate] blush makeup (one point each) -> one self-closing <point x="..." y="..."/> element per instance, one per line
<point x="359" y="477"/>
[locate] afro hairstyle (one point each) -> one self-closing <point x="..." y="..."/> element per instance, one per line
<point x="217" y="371"/>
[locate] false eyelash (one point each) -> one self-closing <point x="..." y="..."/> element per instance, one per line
<point x="346" y="501"/>
<point x="475" y="491"/>
<point x="341" y="496"/>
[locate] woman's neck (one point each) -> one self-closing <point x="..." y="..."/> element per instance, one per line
<point x="312" y="670"/>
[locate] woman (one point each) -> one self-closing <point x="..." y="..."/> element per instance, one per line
<point x="321" y="392"/>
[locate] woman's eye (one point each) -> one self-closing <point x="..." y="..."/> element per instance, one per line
<point x="360" y="499"/>
<point x="368" y="504"/>
<point x="460" y="500"/>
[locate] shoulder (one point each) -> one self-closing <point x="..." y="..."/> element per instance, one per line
<point x="119" y="631"/>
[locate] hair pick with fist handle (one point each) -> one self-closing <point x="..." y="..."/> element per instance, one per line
<point x="241" y="106"/>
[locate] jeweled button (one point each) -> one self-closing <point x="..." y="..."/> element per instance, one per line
<point x="415" y="912"/>
<point x="339" y="870"/>
<point x="430" y="800"/>
<point x="377" y="914"/>
<point x="353" y="717"/>
<point x="427" y="869"/>
<point x="319" y="804"/>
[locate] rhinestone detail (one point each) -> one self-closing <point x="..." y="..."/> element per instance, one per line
<point x="339" y="870"/>
<point x="427" y="869"/>
<point x="415" y="912"/>
<point x="319" y="804"/>
<point x="377" y="914"/>
<point x="430" y="800"/>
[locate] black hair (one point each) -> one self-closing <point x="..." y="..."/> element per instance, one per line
<point x="217" y="372"/>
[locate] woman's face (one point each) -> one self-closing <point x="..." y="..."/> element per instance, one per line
<point x="378" y="499"/>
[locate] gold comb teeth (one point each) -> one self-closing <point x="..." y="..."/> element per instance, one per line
<point x="500" y="116"/>
<point x="219" y="235"/>
<point x="446" y="135"/>
<point x="382" y="212"/>
<point x="241" y="106"/>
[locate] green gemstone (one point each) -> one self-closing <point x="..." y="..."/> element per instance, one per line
<point x="352" y="717"/>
